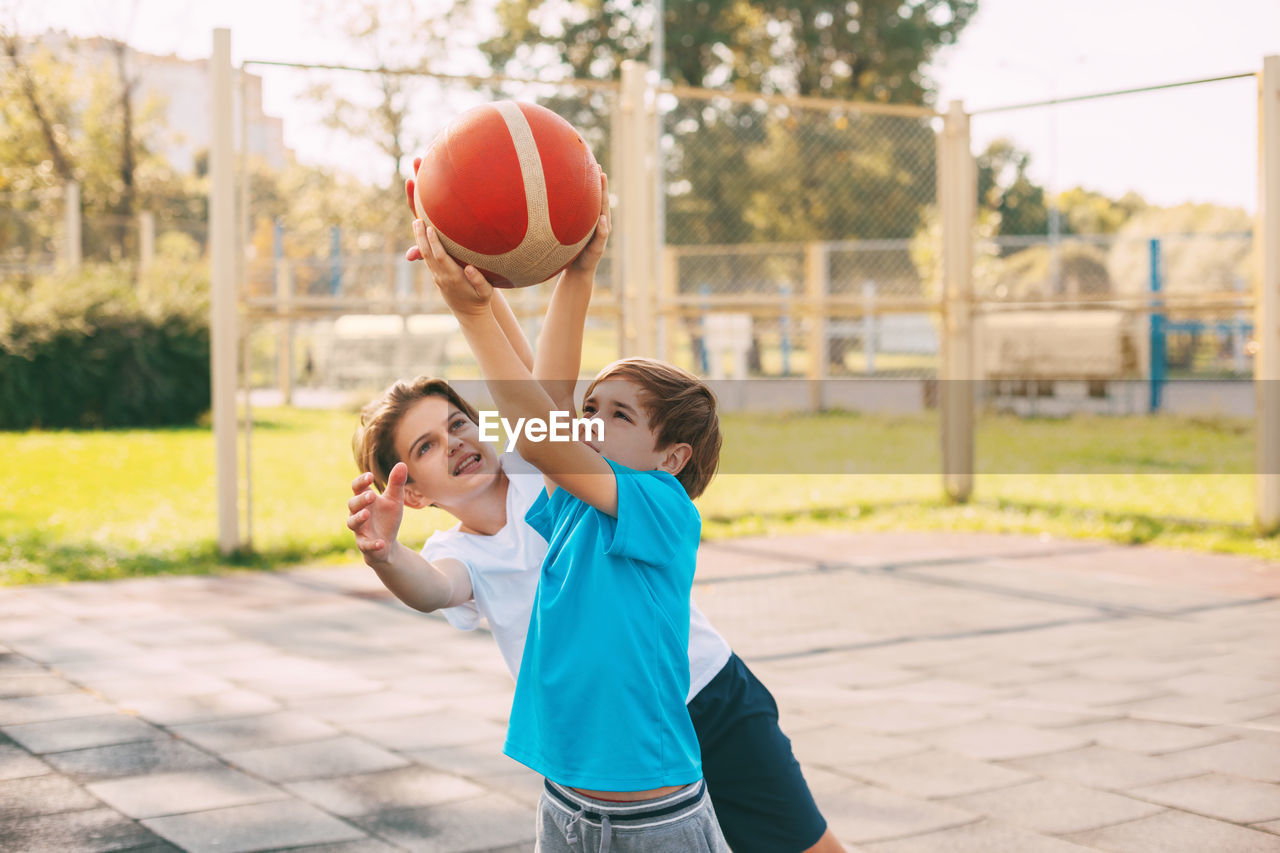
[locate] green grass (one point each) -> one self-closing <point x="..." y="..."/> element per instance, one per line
<point x="96" y="505"/>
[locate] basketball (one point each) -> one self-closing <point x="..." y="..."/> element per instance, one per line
<point x="512" y="189"/>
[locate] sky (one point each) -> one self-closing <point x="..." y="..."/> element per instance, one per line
<point x="1187" y="144"/>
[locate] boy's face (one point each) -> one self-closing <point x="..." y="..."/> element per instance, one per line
<point x="629" y="438"/>
<point x="442" y="448"/>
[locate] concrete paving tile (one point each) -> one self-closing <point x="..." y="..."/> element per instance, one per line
<point x="165" y="755"/>
<point x="936" y="773"/>
<point x="53" y="706"/>
<point x="474" y="824"/>
<point x="429" y="731"/>
<point x="1201" y="711"/>
<point x="12" y="665"/>
<point x="253" y="827"/>
<point x="35" y="684"/>
<point x="456" y="683"/>
<point x="997" y="741"/>
<point x="995" y="672"/>
<point x="1104" y="768"/>
<point x="905" y="716"/>
<point x="1248" y="757"/>
<point x="1148" y="736"/>
<point x="89" y="831"/>
<point x="41" y="795"/>
<point x="1091" y="692"/>
<point x="75" y="644"/>
<point x="383" y="705"/>
<point x="494" y="707"/>
<point x="843" y="669"/>
<point x="17" y="763"/>
<point x="1225" y="688"/>
<point x="318" y="759"/>
<point x="840" y="746"/>
<point x="945" y="691"/>
<point x="924" y="654"/>
<point x="1175" y="830"/>
<point x="471" y="760"/>
<point x="80" y="733"/>
<point x="241" y="733"/>
<point x="523" y="786"/>
<point x="405" y="788"/>
<point x="864" y="813"/>
<point x="1040" y="714"/>
<point x="981" y="836"/>
<point x="134" y="690"/>
<point x="178" y="710"/>
<point x="1131" y="669"/>
<point x="160" y="794"/>
<point x="368" y="845"/>
<point x="1215" y="795"/>
<point x="1055" y="808"/>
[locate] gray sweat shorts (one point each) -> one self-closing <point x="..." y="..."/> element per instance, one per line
<point x="681" y="822"/>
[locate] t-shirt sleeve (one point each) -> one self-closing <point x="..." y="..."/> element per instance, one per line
<point x="465" y="616"/>
<point x="541" y="516"/>
<point x="655" y="517"/>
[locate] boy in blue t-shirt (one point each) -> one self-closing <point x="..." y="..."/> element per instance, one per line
<point x="600" y="707"/>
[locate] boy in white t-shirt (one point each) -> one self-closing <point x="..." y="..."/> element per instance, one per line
<point x="419" y="443"/>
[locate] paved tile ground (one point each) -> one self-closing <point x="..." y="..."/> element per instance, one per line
<point x="943" y="692"/>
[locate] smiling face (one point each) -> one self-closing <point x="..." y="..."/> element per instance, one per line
<point x="447" y="461"/>
<point x="629" y="437"/>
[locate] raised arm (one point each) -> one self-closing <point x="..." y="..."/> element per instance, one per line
<point x="559" y="355"/>
<point x="570" y="465"/>
<point x="375" y="520"/>
<point x="502" y="312"/>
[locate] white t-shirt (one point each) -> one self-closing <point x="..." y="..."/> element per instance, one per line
<point x="504" y="571"/>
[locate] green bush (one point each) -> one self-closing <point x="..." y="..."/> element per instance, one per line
<point x="99" y="349"/>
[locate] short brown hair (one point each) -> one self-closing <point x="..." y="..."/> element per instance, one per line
<point x="681" y="409"/>
<point x="373" y="443"/>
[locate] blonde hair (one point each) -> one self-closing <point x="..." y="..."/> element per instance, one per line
<point x="681" y="409"/>
<point x="373" y="443"/>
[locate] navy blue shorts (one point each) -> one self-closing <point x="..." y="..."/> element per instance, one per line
<point x="760" y="796"/>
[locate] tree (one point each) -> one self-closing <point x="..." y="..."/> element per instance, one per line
<point x="872" y="50"/>
<point x="1005" y="188"/>
<point x="411" y="34"/>
<point x="745" y="172"/>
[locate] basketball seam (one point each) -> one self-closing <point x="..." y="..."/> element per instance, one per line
<point x="536" y="263"/>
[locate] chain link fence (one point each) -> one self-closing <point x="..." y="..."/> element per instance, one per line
<point x="1094" y="297"/>
<point x="32" y="231"/>
<point x="799" y="237"/>
<point x="331" y="301"/>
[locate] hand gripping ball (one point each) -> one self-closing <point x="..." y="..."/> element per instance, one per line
<point x="512" y="189"/>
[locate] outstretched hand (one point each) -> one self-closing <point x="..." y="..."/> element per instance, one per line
<point x="465" y="290"/>
<point x="589" y="258"/>
<point x="375" y="518"/>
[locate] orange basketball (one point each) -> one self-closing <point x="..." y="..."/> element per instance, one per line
<point x="512" y="189"/>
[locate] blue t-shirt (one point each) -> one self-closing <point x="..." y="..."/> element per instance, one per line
<point x="600" y="701"/>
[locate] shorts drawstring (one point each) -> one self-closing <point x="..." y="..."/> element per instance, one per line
<point x="606" y="830"/>
<point x="571" y="831"/>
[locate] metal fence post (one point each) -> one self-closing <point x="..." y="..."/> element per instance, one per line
<point x="146" y="240"/>
<point x="816" y="282"/>
<point x="958" y="200"/>
<point x="1266" y="365"/>
<point x="669" y="320"/>
<point x="1158" y="347"/>
<point x="636" y="205"/>
<point x="72" y="242"/>
<point x="222" y="321"/>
